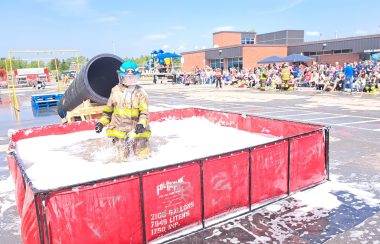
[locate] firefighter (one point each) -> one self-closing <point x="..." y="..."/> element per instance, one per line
<point x="263" y="78"/>
<point x="285" y="76"/>
<point x="126" y="114"/>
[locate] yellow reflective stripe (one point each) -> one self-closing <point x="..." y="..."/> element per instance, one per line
<point x="143" y="121"/>
<point x="104" y="120"/>
<point x="121" y="134"/>
<point x="116" y="133"/>
<point x="146" y="134"/>
<point x="126" y="112"/>
<point x="108" y="109"/>
<point x="143" y="106"/>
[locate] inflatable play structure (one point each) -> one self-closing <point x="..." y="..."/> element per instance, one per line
<point x="162" y="203"/>
<point x="161" y="65"/>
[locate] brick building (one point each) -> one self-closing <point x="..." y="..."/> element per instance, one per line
<point x="245" y="49"/>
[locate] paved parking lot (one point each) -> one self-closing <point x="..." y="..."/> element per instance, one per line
<point x="354" y="159"/>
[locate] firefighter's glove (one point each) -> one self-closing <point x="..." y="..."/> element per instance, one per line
<point x="132" y="134"/>
<point x="139" y="129"/>
<point x="98" y="127"/>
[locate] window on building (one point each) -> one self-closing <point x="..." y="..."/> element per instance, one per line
<point x="236" y="63"/>
<point x="246" y="40"/>
<point x="217" y="63"/>
<point x="347" y="51"/>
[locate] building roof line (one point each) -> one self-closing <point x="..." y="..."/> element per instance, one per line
<point x="232" y="46"/>
<point x="335" y="40"/>
<point x="279" y="31"/>
<point x="218" y="32"/>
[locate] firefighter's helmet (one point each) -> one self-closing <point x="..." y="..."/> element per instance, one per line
<point x="128" y="73"/>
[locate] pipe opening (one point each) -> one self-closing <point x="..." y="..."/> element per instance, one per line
<point x="102" y="76"/>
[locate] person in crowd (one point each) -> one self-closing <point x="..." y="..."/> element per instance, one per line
<point x="218" y="77"/>
<point x="285" y="76"/>
<point x="348" y="73"/>
<point x="126" y="114"/>
<point x="370" y="84"/>
<point x="209" y="76"/>
<point x="360" y="83"/>
<point x="359" y="76"/>
<point x="203" y="77"/>
<point x="263" y="78"/>
<point x="295" y="71"/>
<point x="320" y="81"/>
<point x="314" y="78"/>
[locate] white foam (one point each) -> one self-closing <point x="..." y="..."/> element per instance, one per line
<point x="7" y="195"/>
<point x="61" y="160"/>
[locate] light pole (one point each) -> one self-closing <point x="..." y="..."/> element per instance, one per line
<point x="220" y="59"/>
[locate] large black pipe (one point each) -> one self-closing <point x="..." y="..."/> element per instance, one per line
<point x="94" y="82"/>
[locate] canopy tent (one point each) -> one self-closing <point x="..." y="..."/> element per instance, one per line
<point x="271" y="59"/>
<point x="168" y="55"/>
<point x="297" y="58"/>
<point x="376" y="56"/>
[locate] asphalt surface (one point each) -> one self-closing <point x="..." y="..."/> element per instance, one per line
<point x="354" y="159"/>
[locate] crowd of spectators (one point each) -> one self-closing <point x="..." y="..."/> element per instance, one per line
<point x="358" y="76"/>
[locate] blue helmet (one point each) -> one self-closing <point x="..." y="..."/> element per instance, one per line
<point x="128" y="73"/>
<point x="128" y="67"/>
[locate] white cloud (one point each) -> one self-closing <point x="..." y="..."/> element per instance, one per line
<point x="181" y="48"/>
<point x="223" y="28"/>
<point x="280" y="9"/>
<point x="156" y="37"/>
<point x="196" y="47"/>
<point x="106" y="19"/>
<point x="165" y="46"/>
<point x="361" y="32"/>
<point x="312" y="33"/>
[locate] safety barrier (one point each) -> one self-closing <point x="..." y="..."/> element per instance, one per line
<point x="167" y="202"/>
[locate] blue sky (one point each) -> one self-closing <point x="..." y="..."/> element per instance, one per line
<point x="131" y="28"/>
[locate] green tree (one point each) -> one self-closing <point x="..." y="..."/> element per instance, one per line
<point x="81" y="59"/>
<point x="2" y="63"/>
<point x="18" y="64"/>
<point x="140" y="61"/>
<point x="64" y="66"/>
<point x="51" y="64"/>
<point x="36" y="64"/>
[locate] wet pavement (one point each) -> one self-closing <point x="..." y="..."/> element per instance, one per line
<point x="354" y="163"/>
